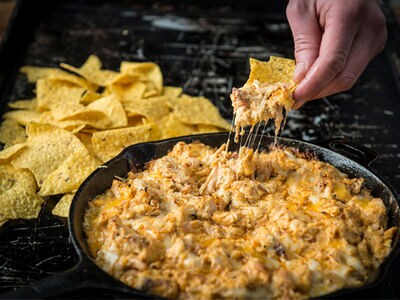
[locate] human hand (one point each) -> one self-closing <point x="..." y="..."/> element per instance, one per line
<point x="334" y="42"/>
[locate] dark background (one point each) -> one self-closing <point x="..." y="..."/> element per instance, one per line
<point x="205" y="49"/>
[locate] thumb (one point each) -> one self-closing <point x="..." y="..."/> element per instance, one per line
<point x="307" y="34"/>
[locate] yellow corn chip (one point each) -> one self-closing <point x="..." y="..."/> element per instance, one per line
<point x="18" y="197"/>
<point x="129" y="92"/>
<point x="277" y="69"/>
<point x="62" y="207"/>
<point x="75" y="111"/>
<point x="123" y="79"/>
<point x="70" y="173"/>
<point x="24" y="104"/>
<point x="71" y="79"/>
<point x="73" y="126"/>
<point x="197" y="110"/>
<point x="171" y="127"/>
<point x="103" y="113"/>
<point x="136" y="120"/>
<point x="89" y="97"/>
<point x="23" y="117"/>
<point x="46" y="149"/>
<point x="107" y="144"/>
<point x="91" y="71"/>
<point x="171" y="92"/>
<point x="35" y="73"/>
<point x="150" y="91"/>
<point x="86" y="139"/>
<point x="153" y="108"/>
<point x="7" y="153"/>
<point x="148" y="72"/>
<point x="11" y="133"/>
<point x="50" y="92"/>
<point x="113" y="109"/>
<point x="207" y="128"/>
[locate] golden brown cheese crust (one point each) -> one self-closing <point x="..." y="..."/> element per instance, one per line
<point x="202" y="223"/>
<point x="257" y="102"/>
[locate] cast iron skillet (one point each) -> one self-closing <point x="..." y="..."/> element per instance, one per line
<point x="348" y="157"/>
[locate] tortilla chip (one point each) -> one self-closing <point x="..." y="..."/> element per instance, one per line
<point x="91" y="71"/>
<point x="23" y="117"/>
<point x="7" y="153"/>
<point x="86" y="139"/>
<point x="113" y="109"/>
<point x="153" y="108"/>
<point x="74" y="111"/>
<point x="62" y="207"/>
<point x="129" y="92"/>
<point x="123" y="79"/>
<point x="35" y="73"/>
<point x="104" y="113"/>
<point x="70" y="173"/>
<point x="150" y="91"/>
<point x="71" y="79"/>
<point x="207" y="128"/>
<point x="11" y="133"/>
<point x="73" y="126"/>
<point x="18" y="197"/>
<point x="136" y="120"/>
<point x="172" y="127"/>
<point x="46" y="149"/>
<point x="23" y="104"/>
<point x="277" y="69"/>
<point x="50" y="92"/>
<point x="89" y="97"/>
<point x="148" y="72"/>
<point x="172" y="92"/>
<point x="107" y="144"/>
<point x="198" y="110"/>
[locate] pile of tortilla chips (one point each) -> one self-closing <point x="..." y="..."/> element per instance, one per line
<point x="82" y="117"/>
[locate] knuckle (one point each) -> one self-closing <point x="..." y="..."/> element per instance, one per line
<point x="382" y="41"/>
<point x="296" y="8"/>
<point x="380" y="22"/>
<point x="303" y="43"/>
<point x="376" y="20"/>
<point x="351" y="14"/>
<point x="337" y="62"/>
<point x="346" y="81"/>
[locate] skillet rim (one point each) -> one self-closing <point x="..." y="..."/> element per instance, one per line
<point x="375" y="279"/>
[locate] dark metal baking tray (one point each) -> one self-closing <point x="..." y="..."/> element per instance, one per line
<point x="202" y="46"/>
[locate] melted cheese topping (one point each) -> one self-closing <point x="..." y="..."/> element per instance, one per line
<point x="202" y="223"/>
<point x="257" y="102"/>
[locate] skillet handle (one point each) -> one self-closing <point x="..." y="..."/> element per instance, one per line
<point x="352" y="150"/>
<point x="68" y="281"/>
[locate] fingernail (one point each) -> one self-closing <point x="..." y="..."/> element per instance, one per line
<point x="299" y="72"/>
<point x="298" y="104"/>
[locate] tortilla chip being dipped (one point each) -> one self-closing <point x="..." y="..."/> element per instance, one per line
<point x="267" y="92"/>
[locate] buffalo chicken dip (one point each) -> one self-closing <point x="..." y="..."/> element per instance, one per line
<point x="204" y="223"/>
